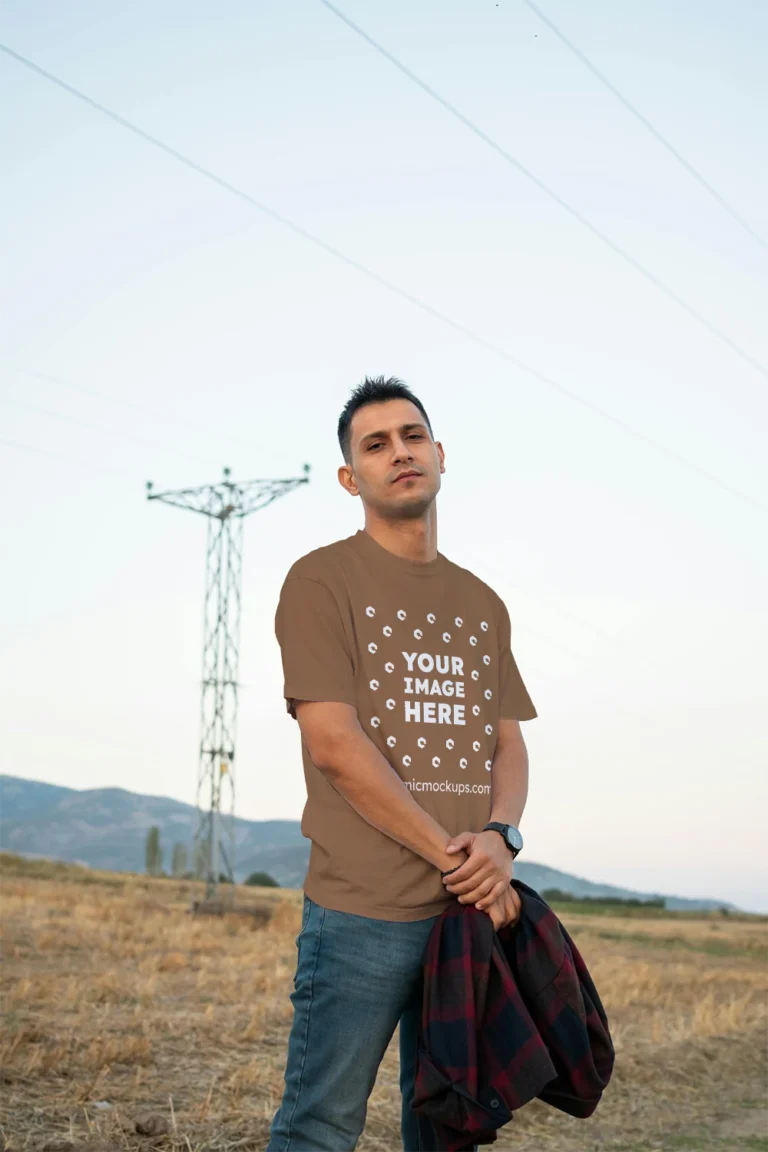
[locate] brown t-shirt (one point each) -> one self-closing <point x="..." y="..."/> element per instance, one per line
<point x="422" y="651"/>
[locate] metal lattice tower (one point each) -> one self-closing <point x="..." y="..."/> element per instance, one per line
<point x="225" y="505"/>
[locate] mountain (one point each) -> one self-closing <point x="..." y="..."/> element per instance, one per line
<point x="106" y="828"/>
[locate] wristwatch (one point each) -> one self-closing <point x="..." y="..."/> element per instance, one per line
<point x="512" y="837"/>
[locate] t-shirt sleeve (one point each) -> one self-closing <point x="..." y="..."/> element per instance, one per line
<point x="317" y="663"/>
<point x="514" y="703"/>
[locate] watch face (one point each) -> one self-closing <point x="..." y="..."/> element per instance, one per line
<point x="514" y="839"/>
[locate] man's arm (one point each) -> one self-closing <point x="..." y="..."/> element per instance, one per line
<point x="352" y="763"/>
<point x="509" y="775"/>
<point x="486" y="874"/>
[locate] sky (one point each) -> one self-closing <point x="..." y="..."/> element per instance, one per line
<point x="157" y="327"/>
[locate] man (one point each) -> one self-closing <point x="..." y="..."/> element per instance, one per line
<point x="399" y="671"/>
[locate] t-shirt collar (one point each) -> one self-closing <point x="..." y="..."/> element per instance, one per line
<point x="366" y="544"/>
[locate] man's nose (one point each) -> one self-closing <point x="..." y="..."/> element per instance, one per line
<point x="401" y="450"/>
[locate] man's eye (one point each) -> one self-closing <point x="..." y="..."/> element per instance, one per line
<point x="415" y="435"/>
<point x="372" y="446"/>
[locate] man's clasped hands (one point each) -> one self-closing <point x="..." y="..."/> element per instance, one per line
<point x="484" y="877"/>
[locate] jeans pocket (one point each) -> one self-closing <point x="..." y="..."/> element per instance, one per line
<point x="302" y="938"/>
<point x="305" y="911"/>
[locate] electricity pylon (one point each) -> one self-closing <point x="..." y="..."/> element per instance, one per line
<point x="226" y="505"/>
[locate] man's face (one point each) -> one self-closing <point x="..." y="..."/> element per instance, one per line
<point x="395" y="464"/>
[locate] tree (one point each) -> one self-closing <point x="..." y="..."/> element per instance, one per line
<point x="153" y="853"/>
<point x="262" y="880"/>
<point x="557" y="896"/>
<point x="179" y="860"/>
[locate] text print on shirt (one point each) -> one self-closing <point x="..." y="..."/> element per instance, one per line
<point x="438" y="686"/>
<point x="447" y="786"/>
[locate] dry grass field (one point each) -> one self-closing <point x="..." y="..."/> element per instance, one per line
<point x="121" y="1010"/>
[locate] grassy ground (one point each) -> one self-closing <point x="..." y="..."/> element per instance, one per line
<point x="119" y="1007"/>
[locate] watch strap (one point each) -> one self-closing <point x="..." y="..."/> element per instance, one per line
<point x="496" y="826"/>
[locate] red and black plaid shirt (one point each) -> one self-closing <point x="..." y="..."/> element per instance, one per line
<point x="507" y="1017"/>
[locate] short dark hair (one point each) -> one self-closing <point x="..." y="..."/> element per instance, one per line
<point x="374" y="390"/>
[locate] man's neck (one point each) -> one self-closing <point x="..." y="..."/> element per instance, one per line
<point x="414" y="540"/>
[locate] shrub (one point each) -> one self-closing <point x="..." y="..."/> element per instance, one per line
<point x="262" y="880"/>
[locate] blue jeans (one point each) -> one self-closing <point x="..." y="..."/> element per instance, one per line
<point x="356" y="978"/>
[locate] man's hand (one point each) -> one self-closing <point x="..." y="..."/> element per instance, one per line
<point x="506" y="910"/>
<point x="486" y="874"/>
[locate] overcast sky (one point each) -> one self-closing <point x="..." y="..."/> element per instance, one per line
<point x="215" y="336"/>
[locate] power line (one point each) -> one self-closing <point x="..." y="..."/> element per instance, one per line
<point x="646" y="123"/>
<point x="134" y="404"/>
<point x="502" y="353"/>
<point x="574" y="212"/>
<point x="549" y="604"/>
<point x="6" y="443"/>
<point x="36" y="451"/>
<point x="91" y="427"/>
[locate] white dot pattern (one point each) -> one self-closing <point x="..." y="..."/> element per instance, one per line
<point x="437" y="667"/>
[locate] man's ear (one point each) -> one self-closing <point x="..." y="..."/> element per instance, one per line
<point x="347" y="480"/>
<point x="440" y="455"/>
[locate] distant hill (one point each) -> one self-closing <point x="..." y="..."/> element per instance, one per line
<point x="106" y="828"/>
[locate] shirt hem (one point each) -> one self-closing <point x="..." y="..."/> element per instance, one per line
<point x="360" y="907"/>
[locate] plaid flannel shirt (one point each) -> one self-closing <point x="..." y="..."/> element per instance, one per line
<point x="506" y="1017"/>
